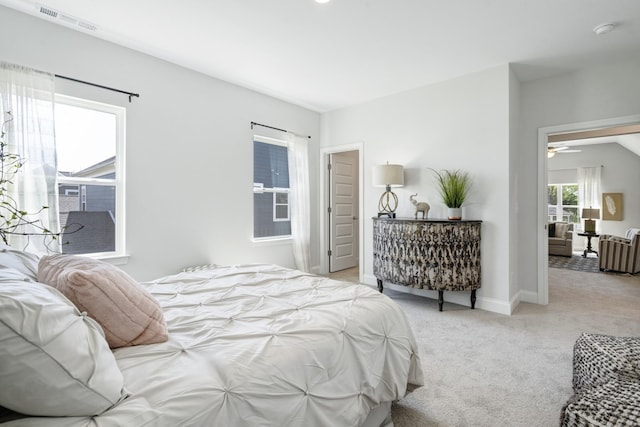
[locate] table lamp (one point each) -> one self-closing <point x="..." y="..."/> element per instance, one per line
<point x="388" y="176"/>
<point x="589" y="223"/>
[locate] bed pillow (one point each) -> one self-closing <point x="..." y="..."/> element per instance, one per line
<point x="54" y="360"/>
<point x="16" y="264"/>
<point x="128" y="313"/>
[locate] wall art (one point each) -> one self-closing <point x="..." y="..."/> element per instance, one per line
<point x="612" y="206"/>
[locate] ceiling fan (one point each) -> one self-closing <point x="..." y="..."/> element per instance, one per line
<point x="551" y="151"/>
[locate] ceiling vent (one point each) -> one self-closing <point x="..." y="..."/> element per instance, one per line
<point x="49" y="12"/>
<point x="67" y="19"/>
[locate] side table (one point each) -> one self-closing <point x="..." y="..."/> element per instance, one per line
<point x="589" y="249"/>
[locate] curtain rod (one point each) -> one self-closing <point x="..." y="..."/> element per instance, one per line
<point x="131" y="94"/>
<point x="274" y="128"/>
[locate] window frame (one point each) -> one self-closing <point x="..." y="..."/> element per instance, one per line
<point x="559" y="205"/>
<point x="118" y="182"/>
<point x="276" y="192"/>
<point x="259" y="188"/>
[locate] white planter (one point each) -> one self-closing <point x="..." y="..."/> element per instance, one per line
<point x="455" y="213"/>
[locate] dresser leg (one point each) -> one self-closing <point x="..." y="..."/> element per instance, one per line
<point x="440" y="299"/>
<point x="380" y="288"/>
<point x="473" y="299"/>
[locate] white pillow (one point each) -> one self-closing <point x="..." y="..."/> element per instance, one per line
<point x="631" y="232"/>
<point x="54" y="360"/>
<point x="16" y="264"/>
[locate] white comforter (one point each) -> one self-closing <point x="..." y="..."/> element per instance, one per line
<point x="260" y="345"/>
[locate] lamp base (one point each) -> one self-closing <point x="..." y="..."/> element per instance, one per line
<point x="590" y="225"/>
<point x="389" y="214"/>
<point x="388" y="201"/>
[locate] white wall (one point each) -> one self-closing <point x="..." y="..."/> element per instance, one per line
<point x="597" y="93"/>
<point x="514" y="181"/>
<point x="460" y="124"/>
<point x="189" y="146"/>
<point x="620" y="174"/>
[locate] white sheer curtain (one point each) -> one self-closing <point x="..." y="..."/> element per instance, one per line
<point x="298" y="149"/>
<point x="29" y="95"/>
<point x="589" y="187"/>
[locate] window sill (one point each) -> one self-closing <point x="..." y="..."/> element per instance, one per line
<point x="111" y="258"/>
<point x="272" y="241"/>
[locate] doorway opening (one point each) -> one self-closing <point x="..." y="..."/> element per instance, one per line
<point x="554" y="137"/>
<point x="341" y="207"/>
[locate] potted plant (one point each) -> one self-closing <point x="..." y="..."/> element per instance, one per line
<point x="453" y="186"/>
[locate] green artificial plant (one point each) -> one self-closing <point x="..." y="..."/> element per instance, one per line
<point x="453" y="185"/>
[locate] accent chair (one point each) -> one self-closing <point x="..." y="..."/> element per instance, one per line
<point x="560" y="238"/>
<point x="620" y="253"/>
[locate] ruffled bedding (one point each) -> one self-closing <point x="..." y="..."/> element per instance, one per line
<point x="261" y="345"/>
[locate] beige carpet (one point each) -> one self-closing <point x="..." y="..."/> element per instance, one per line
<point x="486" y="369"/>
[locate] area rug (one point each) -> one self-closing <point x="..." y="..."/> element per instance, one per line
<point x="575" y="262"/>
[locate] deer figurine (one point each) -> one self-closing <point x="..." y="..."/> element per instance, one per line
<point x="420" y="206"/>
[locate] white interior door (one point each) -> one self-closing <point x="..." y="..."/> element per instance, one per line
<point x="344" y="211"/>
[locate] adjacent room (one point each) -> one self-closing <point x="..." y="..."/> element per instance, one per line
<point x="588" y="181"/>
<point x="320" y="213"/>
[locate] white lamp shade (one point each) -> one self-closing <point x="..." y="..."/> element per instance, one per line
<point x="392" y="175"/>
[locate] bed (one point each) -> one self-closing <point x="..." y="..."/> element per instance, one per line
<point x="252" y="345"/>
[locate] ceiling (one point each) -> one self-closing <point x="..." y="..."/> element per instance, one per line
<point x="328" y="56"/>
<point x="625" y="135"/>
<point x="630" y="142"/>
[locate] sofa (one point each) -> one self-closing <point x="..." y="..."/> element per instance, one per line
<point x="606" y="382"/>
<point x="560" y="238"/>
<point x="620" y="253"/>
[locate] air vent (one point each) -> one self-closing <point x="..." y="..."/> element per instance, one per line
<point x="87" y="26"/>
<point x="48" y="12"/>
<point x="66" y="19"/>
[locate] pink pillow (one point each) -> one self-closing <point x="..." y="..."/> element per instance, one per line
<point x="128" y="314"/>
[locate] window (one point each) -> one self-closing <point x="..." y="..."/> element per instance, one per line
<point x="563" y="203"/>
<point x="90" y="151"/>
<point x="271" y="210"/>
<point x="281" y="207"/>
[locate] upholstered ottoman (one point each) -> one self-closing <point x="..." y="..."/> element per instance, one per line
<point x="606" y="382"/>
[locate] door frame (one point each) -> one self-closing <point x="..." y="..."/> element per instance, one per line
<point x="543" y="236"/>
<point x="325" y="194"/>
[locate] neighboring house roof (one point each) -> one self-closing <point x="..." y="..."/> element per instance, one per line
<point x="97" y="170"/>
<point x="97" y="234"/>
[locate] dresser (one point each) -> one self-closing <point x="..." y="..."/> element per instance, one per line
<point x="432" y="254"/>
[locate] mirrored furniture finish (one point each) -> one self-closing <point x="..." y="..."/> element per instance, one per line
<point x="430" y="254"/>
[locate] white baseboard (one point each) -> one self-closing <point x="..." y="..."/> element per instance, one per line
<point x="460" y="298"/>
<point x="528" y="296"/>
<point x="370" y="279"/>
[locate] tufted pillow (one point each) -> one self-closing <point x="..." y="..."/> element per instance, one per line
<point x="54" y="361"/>
<point x="128" y="313"/>
<point x="16" y="264"/>
<point x="552" y="229"/>
<point x="561" y="229"/>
